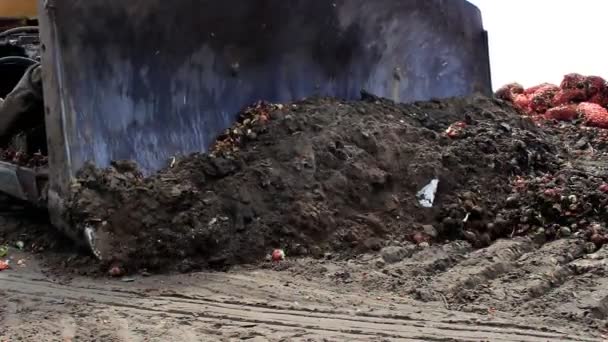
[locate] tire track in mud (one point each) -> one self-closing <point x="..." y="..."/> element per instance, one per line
<point x="316" y="320"/>
<point x="521" y="272"/>
<point x="557" y="280"/>
<point x="359" y="327"/>
<point x="557" y="283"/>
<point x="583" y="293"/>
<point x="481" y="266"/>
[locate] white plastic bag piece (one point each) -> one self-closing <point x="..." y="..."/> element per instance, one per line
<point x="89" y="234"/>
<point x="426" y="196"/>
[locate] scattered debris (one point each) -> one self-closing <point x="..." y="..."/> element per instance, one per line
<point x="3" y="251"/>
<point x="424" y="245"/>
<point x="20" y="245"/>
<point x="89" y="234"/>
<point x="60" y="301"/>
<point x="455" y="130"/>
<point x="251" y="120"/>
<point x="116" y="271"/>
<point x="4" y="265"/>
<point x="278" y="255"/>
<point x="426" y="196"/>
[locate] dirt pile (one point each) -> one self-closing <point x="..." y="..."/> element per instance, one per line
<point x="324" y="175"/>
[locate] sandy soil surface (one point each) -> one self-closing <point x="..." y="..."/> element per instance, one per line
<point x="335" y="302"/>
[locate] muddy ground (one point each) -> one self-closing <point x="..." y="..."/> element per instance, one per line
<point x="512" y="249"/>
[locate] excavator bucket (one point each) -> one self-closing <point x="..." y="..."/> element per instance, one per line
<point x="147" y="80"/>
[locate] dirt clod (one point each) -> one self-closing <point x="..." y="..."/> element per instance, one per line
<point x="394" y="254"/>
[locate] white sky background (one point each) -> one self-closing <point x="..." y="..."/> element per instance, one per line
<point x="536" y="41"/>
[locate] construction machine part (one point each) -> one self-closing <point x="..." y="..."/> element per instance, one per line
<point x="20" y="41"/>
<point x="21" y="117"/>
<point x="12" y="69"/>
<point x="23" y="183"/>
<point x="22" y="107"/>
<point x="150" y="79"/>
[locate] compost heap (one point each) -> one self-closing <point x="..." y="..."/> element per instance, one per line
<point x="324" y="175"/>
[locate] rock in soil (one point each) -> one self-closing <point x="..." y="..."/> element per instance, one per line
<point x="328" y="176"/>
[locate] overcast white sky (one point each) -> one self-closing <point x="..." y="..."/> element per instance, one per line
<point x="535" y="41"/>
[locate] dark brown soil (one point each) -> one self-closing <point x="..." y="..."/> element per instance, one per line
<point x="325" y="176"/>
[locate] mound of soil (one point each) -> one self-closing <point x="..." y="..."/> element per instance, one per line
<point x="325" y="175"/>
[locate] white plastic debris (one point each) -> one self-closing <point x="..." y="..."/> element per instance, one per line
<point x="89" y="233"/>
<point x="426" y="196"/>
